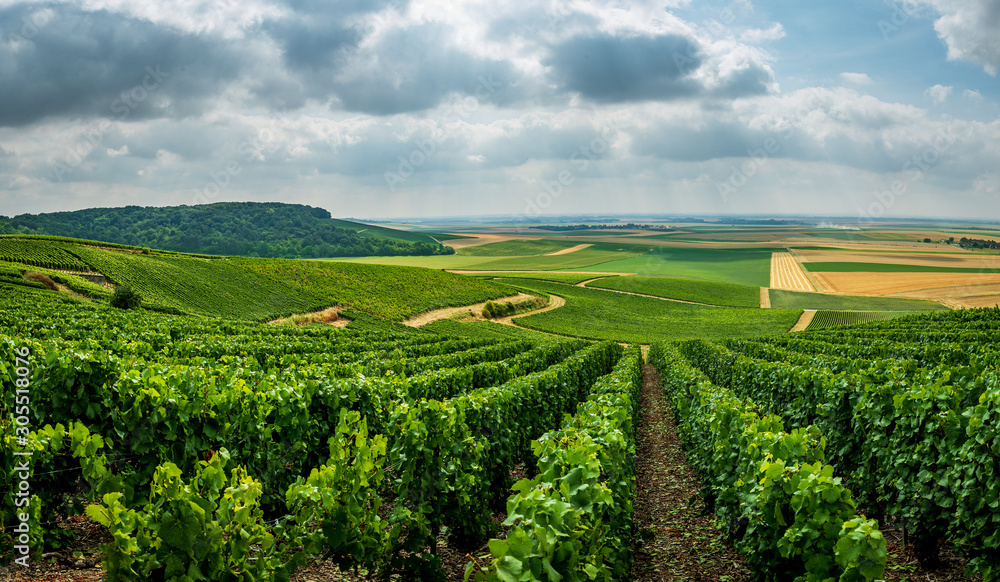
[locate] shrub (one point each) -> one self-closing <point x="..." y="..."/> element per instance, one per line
<point x="125" y="297"/>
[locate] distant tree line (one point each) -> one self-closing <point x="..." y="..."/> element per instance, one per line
<point x="978" y="243"/>
<point x="228" y="228"/>
<point x="629" y="226"/>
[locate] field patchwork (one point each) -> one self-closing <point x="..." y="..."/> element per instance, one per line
<point x="786" y="273"/>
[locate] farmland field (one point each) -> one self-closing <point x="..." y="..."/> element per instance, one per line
<point x="516" y="248"/>
<point x="554" y="276"/>
<point x="797" y="300"/>
<point x="743" y="266"/>
<point x="606" y="315"/>
<point x="892" y="268"/>
<point x="711" y="292"/>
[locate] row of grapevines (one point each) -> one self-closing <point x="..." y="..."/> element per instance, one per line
<point x="573" y="521"/>
<point x="792" y="517"/>
<point x="453" y="458"/>
<point x="912" y="443"/>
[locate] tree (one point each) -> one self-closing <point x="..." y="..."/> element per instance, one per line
<point x="125" y="297"/>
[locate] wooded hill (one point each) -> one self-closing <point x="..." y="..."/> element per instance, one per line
<point x="251" y="229"/>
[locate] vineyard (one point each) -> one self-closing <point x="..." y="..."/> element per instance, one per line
<point x="221" y="449"/>
<point x="826" y="318"/>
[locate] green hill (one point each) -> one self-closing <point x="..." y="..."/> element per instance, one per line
<point x="248" y="229"/>
<point x="255" y="289"/>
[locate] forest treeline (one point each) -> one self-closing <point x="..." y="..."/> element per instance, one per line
<point x="250" y="229"/>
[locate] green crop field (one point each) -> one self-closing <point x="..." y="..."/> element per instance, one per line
<point x="696" y="290"/>
<point x="554" y="276"/>
<point x="589" y="257"/>
<point x="782" y="299"/>
<point x="516" y="248"/>
<point x="744" y="266"/>
<point x="827" y="318"/>
<point x="890" y="268"/>
<point x="596" y="314"/>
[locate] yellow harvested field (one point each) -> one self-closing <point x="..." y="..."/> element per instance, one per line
<point x="965" y="260"/>
<point x="483" y="239"/>
<point x="786" y="273"/>
<point x="570" y="250"/>
<point x="987" y="295"/>
<point x="896" y="283"/>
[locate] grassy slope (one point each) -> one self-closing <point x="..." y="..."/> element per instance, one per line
<point x="747" y="267"/>
<point x="262" y="289"/>
<point x="781" y="299"/>
<point x="888" y="268"/>
<point x="393" y="293"/>
<point x="203" y="287"/>
<point x="711" y="292"/>
<point x="596" y="314"/>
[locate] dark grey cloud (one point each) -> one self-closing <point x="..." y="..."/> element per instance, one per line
<point x="612" y="69"/>
<point x="100" y="64"/>
<point x="609" y="68"/>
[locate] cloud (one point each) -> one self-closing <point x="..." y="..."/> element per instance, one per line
<point x="759" y="35"/>
<point x="100" y="64"/>
<point x="856" y="78"/>
<point x="969" y="29"/>
<point x="610" y="68"/>
<point x="938" y="93"/>
<point x="973" y="94"/>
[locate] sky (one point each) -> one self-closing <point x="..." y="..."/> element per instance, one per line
<point x="525" y="108"/>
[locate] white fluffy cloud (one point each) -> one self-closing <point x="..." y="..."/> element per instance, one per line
<point x="856" y="78"/>
<point x="970" y="29"/>
<point x="938" y="93"/>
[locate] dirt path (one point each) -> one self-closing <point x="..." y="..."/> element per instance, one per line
<point x="445" y="313"/>
<point x="330" y="315"/>
<point x="570" y="250"/>
<point x="555" y="301"/>
<point x="676" y="539"/>
<point x="787" y="273"/>
<point x="804" y="320"/>
<point x="765" y="297"/>
<point x="584" y="283"/>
